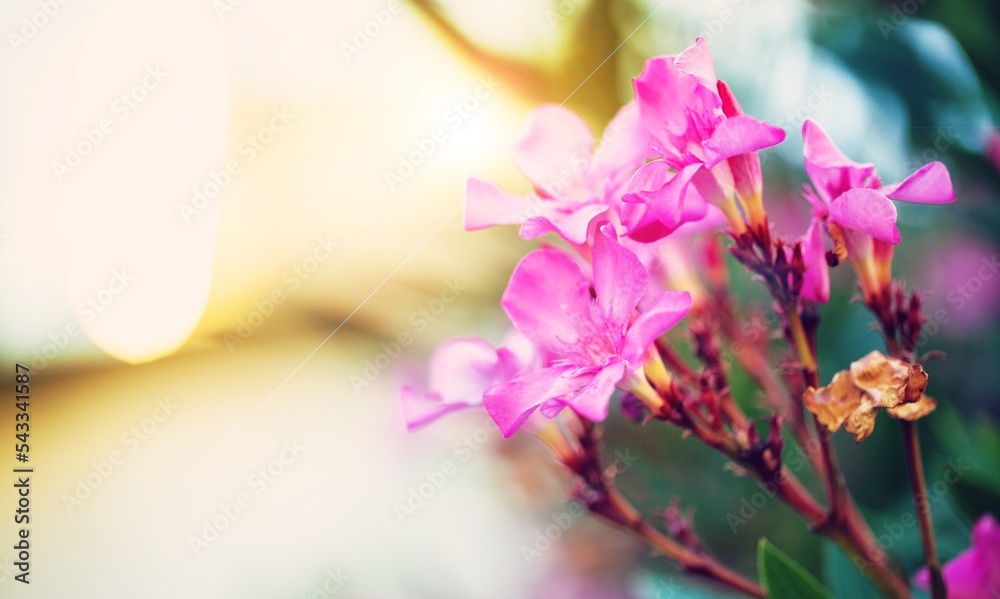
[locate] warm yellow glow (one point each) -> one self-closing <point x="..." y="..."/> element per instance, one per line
<point x="151" y="117"/>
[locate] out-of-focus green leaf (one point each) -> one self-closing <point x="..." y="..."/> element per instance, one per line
<point x="783" y="578"/>
<point x="843" y="577"/>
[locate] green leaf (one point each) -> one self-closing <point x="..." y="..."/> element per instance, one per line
<point x="843" y="576"/>
<point x="783" y="578"/>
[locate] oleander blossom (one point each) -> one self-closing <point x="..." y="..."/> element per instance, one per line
<point x="850" y="198"/>
<point x="702" y="135"/>
<point x="574" y="183"/>
<point x="588" y="344"/>
<point x="975" y="573"/>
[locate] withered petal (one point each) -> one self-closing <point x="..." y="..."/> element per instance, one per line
<point x="914" y="410"/>
<point x="834" y="403"/>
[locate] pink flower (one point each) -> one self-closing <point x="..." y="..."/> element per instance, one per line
<point x="573" y="183"/>
<point x="975" y="573"/>
<point x="851" y="196"/>
<point x="461" y="369"/>
<point x="701" y="132"/>
<point x="588" y="342"/>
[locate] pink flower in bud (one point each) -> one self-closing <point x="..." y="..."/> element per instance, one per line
<point x="574" y="185"/>
<point x="816" y="279"/>
<point x="584" y="329"/>
<point x="975" y="573"/>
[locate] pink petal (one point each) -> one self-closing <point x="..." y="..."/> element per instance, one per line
<point x="867" y="211"/>
<point x="420" y="410"/>
<point x="545" y="297"/>
<point x="510" y="403"/>
<point x="816" y="282"/>
<point x="667" y="99"/>
<point x="931" y="184"/>
<point x="973" y="574"/>
<point x="592" y="397"/>
<point x="658" y="201"/>
<point x="696" y="61"/>
<point x="730" y="107"/>
<point x="624" y="145"/>
<point x="461" y="369"/>
<point x="663" y="313"/>
<point x="619" y="281"/>
<point x="713" y="221"/>
<point x="517" y="350"/>
<point x="486" y="205"/>
<point x="831" y="171"/>
<point x="550" y="150"/>
<point x="572" y="225"/>
<point x="739" y="135"/>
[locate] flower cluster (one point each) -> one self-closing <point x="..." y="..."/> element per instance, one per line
<point x="637" y="225"/>
<point x="679" y="161"/>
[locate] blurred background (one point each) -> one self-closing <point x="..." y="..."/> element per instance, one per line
<point x="231" y="229"/>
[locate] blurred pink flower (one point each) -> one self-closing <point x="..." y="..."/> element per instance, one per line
<point x="574" y="184"/>
<point x="975" y="573"/>
<point x="588" y="343"/>
<point x="960" y="281"/>
<point x="460" y="371"/>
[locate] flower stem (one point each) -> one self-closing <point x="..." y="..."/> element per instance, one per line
<point x="609" y="504"/>
<point x="623" y="514"/>
<point x="843" y="521"/>
<point x="915" y="465"/>
<point x="831" y="471"/>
